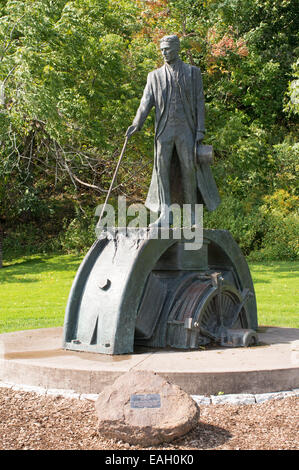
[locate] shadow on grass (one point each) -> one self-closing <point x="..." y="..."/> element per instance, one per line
<point x="27" y="262"/>
<point x="261" y="272"/>
<point x="37" y="265"/>
<point x="260" y="281"/>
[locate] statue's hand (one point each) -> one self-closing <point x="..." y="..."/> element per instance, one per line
<point x="131" y="130"/>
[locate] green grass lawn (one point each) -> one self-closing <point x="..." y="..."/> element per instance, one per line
<point x="34" y="291"/>
<point x="276" y="287"/>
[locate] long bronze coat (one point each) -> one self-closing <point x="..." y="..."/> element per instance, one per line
<point x="157" y="93"/>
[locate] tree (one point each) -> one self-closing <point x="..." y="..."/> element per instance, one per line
<point x="71" y="77"/>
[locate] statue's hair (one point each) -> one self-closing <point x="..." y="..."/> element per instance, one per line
<point x="173" y="38"/>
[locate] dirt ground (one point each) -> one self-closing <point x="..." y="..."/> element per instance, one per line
<point x="32" y="422"/>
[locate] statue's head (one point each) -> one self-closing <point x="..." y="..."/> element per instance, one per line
<point x="170" y="47"/>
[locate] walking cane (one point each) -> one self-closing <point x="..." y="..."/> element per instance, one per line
<point x="113" y="179"/>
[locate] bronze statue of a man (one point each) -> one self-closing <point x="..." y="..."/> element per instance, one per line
<point x="176" y="92"/>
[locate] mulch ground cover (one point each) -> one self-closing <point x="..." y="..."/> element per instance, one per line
<point x="32" y="422"/>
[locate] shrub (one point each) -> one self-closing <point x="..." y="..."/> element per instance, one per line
<point x="280" y="241"/>
<point x="241" y="218"/>
<point x="266" y="230"/>
<point x="78" y="234"/>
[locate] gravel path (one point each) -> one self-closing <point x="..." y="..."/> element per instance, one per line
<point x="33" y="422"/>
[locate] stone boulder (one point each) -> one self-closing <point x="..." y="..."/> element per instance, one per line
<point x="142" y="408"/>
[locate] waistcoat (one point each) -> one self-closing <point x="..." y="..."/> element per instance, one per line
<point x="176" y="108"/>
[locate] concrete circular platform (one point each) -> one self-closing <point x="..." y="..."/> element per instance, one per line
<point x="35" y="357"/>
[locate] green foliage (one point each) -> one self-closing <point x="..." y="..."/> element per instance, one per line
<point x="77" y="235"/>
<point x="281" y="240"/>
<point x="242" y="219"/>
<point x="68" y="64"/>
<point x="71" y="77"/>
<point x="293" y="91"/>
<point x="265" y="230"/>
<point x="29" y="239"/>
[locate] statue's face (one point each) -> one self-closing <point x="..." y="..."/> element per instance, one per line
<point x="169" y="51"/>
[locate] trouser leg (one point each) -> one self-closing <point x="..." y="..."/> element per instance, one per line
<point x="184" y="143"/>
<point x="165" y="146"/>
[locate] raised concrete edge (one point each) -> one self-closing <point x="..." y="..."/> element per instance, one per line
<point x="221" y="399"/>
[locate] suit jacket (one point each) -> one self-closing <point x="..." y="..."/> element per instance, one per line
<point x="157" y="93"/>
